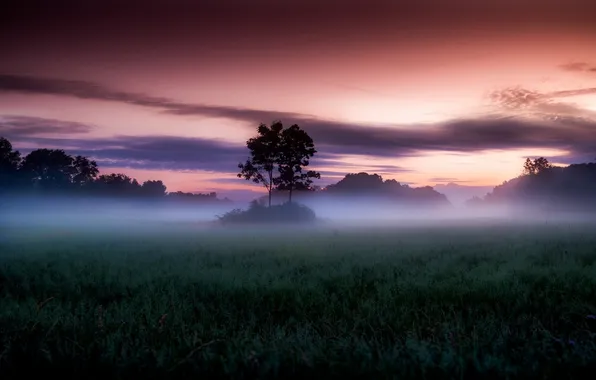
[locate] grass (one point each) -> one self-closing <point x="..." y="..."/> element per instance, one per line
<point x="485" y="300"/>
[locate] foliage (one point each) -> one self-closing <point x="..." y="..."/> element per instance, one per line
<point x="374" y="185"/>
<point x="290" y="212"/>
<point x="571" y="188"/>
<point x="473" y="302"/>
<point x="265" y="152"/>
<point x="86" y="171"/>
<point x="53" y="171"/>
<point x="297" y="147"/>
<point x="50" y="169"/>
<point x="277" y="157"/>
<point x="153" y="189"/>
<point x="537" y="166"/>
<point x="9" y="164"/>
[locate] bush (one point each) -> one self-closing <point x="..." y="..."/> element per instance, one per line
<point x="257" y="213"/>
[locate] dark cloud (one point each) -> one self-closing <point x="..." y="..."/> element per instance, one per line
<point x="334" y="140"/>
<point x="457" y="136"/>
<point x="15" y="126"/>
<point x="147" y="152"/>
<point x="338" y="138"/>
<point x="331" y="12"/>
<point x="335" y="160"/>
<point x="89" y="90"/>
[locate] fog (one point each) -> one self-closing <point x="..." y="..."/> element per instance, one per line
<point x="345" y="211"/>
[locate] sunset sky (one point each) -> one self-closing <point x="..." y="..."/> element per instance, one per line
<point x="424" y="92"/>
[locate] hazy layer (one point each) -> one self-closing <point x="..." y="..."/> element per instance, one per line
<point x="348" y="213"/>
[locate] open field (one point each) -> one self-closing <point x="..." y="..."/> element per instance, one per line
<point x="426" y="301"/>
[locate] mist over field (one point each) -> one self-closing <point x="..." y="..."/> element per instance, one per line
<point x="367" y="212"/>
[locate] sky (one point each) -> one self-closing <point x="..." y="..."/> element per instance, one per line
<point x="425" y="92"/>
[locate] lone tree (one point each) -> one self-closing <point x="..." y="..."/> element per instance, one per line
<point x="537" y="166"/>
<point x="277" y="157"/>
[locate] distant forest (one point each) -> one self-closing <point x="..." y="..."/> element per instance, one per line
<point x="544" y="186"/>
<point x="53" y="172"/>
<point x="361" y="187"/>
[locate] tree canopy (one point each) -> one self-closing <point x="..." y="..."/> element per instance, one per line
<point x="536" y="166"/>
<point x="278" y="157"/>
<point x="53" y="171"/>
<point x="9" y="164"/>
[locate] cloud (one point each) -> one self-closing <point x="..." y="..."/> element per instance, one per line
<point x="334" y="142"/>
<point x="545" y="106"/>
<point x="547" y="125"/>
<point x="518" y="98"/>
<point x="93" y="91"/>
<point x="498" y="132"/>
<point x="147" y="152"/>
<point x="15" y="126"/>
<point x="338" y="137"/>
<point x="582" y="67"/>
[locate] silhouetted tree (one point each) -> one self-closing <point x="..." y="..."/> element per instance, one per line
<point x="86" y="171"/>
<point x="297" y="147"/>
<point x="9" y="164"/>
<point x="153" y="189"/>
<point x="117" y="184"/>
<point x="54" y="170"/>
<point x="358" y="183"/>
<point x="49" y="169"/>
<point x="265" y="153"/>
<point x="550" y="188"/>
<point x="537" y="166"/>
<point x="277" y="157"/>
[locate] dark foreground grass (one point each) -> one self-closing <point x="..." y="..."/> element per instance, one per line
<point x="488" y="301"/>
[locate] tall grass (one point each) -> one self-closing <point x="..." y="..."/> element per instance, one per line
<point x="421" y="302"/>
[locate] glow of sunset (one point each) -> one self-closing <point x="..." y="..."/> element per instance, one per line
<point x="414" y="92"/>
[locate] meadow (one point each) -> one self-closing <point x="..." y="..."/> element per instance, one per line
<point x="461" y="300"/>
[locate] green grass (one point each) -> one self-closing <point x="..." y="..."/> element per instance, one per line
<point x="478" y="301"/>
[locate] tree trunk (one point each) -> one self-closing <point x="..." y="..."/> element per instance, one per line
<point x="291" y="187"/>
<point x="270" y="185"/>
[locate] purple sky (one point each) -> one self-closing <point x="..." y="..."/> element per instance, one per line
<point x="424" y="92"/>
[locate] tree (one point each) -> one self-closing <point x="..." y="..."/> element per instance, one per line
<point x="537" y="166"/>
<point x="49" y="168"/>
<point x="9" y="163"/>
<point x="118" y="184"/>
<point x="86" y="171"/>
<point x="297" y="147"/>
<point x="265" y="154"/>
<point x="277" y="157"/>
<point x="153" y="188"/>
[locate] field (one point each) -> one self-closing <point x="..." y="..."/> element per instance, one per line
<point x="476" y="300"/>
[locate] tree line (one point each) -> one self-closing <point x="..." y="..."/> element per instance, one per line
<point x="54" y="172"/>
<point x="546" y="186"/>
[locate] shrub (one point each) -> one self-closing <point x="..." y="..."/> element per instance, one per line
<point x="257" y="213"/>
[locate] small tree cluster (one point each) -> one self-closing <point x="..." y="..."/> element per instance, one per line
<point x="536" y="166"/>
<point x="278" y="157"/>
